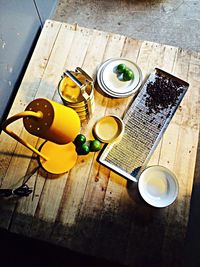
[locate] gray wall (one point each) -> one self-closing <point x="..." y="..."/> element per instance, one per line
<point x="20" y="24"/>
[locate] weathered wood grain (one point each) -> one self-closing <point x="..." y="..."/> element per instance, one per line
<point x="91" y="209"/>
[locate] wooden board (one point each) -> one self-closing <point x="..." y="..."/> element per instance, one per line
<point x="91" y="209"/>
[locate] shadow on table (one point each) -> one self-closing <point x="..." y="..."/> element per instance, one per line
<point x="192" y="244"/>
<point x="136" y="233"/>
<point x="17" y="250"/>
<point x="144" y="213"/>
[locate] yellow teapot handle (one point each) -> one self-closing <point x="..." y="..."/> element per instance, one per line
<point x="18" y="116"/>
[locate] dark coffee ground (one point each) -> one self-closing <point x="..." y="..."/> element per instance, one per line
<point x="162" y="93"/>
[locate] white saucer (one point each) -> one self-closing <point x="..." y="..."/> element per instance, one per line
<point x="109" y="82"/>
<point x="158" y="186"/>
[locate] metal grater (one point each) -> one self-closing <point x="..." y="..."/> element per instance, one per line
<point x="145" y="122"/>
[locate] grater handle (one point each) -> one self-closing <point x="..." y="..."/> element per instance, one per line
<point x="74" y="79"/>
<point x="83" y="92"/>
<point x="91" y="81"/>
<point x="85" y="74"/>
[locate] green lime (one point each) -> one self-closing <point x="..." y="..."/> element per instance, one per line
<point x="95" y="146"/>
<point x="83" y="149"/>
<point x="121" y="68"/>
<point x="80" y="139"/>
<point x="128" y="75"/>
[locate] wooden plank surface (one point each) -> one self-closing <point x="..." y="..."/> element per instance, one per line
<point x="91" y="209"/>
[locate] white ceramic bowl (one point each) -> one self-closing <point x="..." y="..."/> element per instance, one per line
<point x="158" y="186"/>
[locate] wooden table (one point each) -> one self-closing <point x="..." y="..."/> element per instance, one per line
<point x="91" y="209"/>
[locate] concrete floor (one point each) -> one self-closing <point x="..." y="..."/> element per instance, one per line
<point x="173" y="22"/>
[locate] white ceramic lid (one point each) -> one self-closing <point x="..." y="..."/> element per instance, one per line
<point x="158" y="186"/>
<point x="109" y="82"/>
